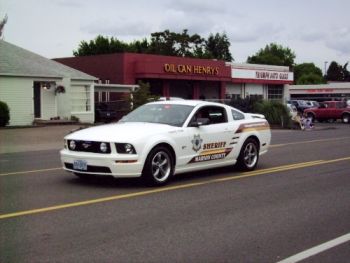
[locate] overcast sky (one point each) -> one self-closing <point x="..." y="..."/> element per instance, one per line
<point x="316" y="30"/>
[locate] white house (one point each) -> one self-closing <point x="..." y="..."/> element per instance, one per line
<point x="37" y="88"/>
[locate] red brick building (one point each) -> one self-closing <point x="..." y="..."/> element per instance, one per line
<point x="168" y="76"/>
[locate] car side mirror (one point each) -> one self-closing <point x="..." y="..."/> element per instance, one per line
<point x="199" y="122"/>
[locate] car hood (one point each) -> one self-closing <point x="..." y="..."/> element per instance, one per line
<point x="120" y="132"/>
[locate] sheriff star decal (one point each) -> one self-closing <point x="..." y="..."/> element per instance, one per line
<point x="197" y="143"/>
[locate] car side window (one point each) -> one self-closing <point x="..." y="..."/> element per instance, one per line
<point x="215" y="114"/>
<point x="236" y="115"/>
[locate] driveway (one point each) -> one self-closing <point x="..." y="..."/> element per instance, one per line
<point x="33" y="139"/>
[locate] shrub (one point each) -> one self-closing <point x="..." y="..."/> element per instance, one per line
<point x="246" y="105"/>
<point x="4" y="114"/>
<point x="275" y="112"/>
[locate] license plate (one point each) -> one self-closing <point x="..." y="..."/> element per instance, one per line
<point x="80" y="165"/>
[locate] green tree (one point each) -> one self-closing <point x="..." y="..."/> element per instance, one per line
<point x="273" y="54"/>
<point x="335" y="72"/>
<point x="101" y="45"/>
<point x="162" y="43"/>
<point x="346" y="72"/>
<point x="176" y="44"/>
<point x="142" y="95"/>
<point x="307" y="73"/>
<point x="218" y="47"/>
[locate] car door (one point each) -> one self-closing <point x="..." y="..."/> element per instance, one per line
<point x="206" y="145"/>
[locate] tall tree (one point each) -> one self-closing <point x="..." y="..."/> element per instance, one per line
<point x="335" y="72"/>
<point x="101" y="45"/>
<point x="2" y="25"/>
<point x="162" y="43"/>
<point x="218" y="47"/>
<point x="176" y="44"/>
<point x="273" y="54"/>
<point x="307" y="73"/>
<point x="346" y="72"/>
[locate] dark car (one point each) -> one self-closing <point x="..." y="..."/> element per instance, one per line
<point x="301" y="105"/>
<point x="104" y="113"/>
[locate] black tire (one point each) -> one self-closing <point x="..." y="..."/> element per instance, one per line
<point x="345" y="118"/>
<point x="249" y="155"/>
<point x="159" y="167"/>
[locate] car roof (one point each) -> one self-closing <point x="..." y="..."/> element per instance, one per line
<point x="193" y="103"/>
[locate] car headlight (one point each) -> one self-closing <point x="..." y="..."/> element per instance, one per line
<point x="125" y="148"/>
<point x="103" y="147"/>
<point x="72" y="145"/>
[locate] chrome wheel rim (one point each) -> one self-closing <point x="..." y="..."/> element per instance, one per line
<point x="161" y="166"/>
<point x="250" y="155"/>
<point x="346" y="119"/>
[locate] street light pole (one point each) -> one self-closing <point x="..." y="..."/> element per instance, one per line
<point x="325" y="68"/>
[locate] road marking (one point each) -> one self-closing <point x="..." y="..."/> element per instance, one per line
<point x="312" y="141"/>
<point x="172" y="188"/>
<point x="317" y="249"/>
<point x="271" y="146"/>
<point x="32" y="171"/>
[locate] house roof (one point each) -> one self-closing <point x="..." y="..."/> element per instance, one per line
<point x="16" y="61"/>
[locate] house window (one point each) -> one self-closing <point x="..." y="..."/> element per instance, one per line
<point x="275" y="92"/>
<point x="81" y="99"/>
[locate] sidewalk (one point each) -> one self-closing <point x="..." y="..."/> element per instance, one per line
<point x="34" y="139"/>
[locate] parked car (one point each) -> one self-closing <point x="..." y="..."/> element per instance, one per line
<point x="312" y="103"/>
<point x="293" y="112"/>
<point x="160" y="139"/>
<point x="301" y="105"/>
<point x="104" y="113"/>
<point x="169" y="98"/>
<point x="331" y="111"/>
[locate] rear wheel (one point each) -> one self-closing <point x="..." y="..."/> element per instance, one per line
<point x="249" y="155"/>
<point x="345" y="118"/>
<point x="159" y="167"/>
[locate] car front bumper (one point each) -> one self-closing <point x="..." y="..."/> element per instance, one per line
<point x="119" y="166"/>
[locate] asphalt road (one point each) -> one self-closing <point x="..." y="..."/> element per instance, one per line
<point x="297" y="199"/>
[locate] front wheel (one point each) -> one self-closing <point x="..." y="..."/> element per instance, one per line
<point x="346" y="118"/>
<point x="249" y="155"/>
<point x="159" y="167"/>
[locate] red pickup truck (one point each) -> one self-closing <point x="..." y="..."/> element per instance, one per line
<point x="331" y="111"/>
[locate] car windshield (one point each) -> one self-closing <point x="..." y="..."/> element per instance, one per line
<point x="171" y="114"/>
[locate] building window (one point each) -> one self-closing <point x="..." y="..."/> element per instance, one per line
<point x="275" y="92"/>
<point x="81" y="99"/>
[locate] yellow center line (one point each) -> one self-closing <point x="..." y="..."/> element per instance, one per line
<point x="172" y="188"/>
<point x="312" y="141"/>
<point x="271" y="146"/>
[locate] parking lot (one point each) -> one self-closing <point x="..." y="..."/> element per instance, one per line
<point x="297" y="199"/>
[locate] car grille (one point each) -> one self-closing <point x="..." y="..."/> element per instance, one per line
<point x="89" y="146"/>
<point x="90" y="168"/>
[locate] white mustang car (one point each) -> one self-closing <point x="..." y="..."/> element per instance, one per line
<point x="160" y="139"/>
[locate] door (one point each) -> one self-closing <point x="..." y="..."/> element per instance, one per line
<point x="37" y="100"/>
<point x="206" y="145"/>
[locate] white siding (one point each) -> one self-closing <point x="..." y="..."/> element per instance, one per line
<point x="18" y="94"/>
<point x="82" y="101"/>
